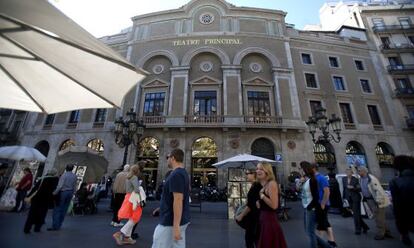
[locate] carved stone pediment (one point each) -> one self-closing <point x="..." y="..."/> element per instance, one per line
<point x="157" y="83"/>
<point x="206" y="80"/>
<point x="257" y="81"/>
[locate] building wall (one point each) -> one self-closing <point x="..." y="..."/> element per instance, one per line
<point x="248" y="50"/>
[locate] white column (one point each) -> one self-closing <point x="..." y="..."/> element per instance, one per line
<point x="292" y="84"/>
<point x="278" y="100"/>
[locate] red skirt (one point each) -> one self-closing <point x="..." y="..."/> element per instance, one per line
<point x="271" y="234"/>
<point x="126" y="211"/>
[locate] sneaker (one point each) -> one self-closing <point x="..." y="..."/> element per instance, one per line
<point x="118" y="238"/>
<point x="118" y="224"/>
<point x="128" y="241"/>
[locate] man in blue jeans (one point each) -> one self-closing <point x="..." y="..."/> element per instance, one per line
<point x="174" y="208"/>
<point x="65" y="190"/>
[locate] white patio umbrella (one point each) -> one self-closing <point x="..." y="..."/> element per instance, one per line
<point x="245" y="161"/>
<point x="18" y="153"/>
<point x="50" y="64"/>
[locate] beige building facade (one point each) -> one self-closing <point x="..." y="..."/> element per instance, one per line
<point x="226" y="80"/>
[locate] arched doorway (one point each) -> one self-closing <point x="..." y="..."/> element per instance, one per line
<point x="385" y="156"/>
<point x="97" y="145"/>
<point x="149" y="152"/>
<point x="43" y="147"/>
<point x="203" y="155"/>
<point x="324" y="156"/>
<point x="264" y="148"/>
<point x="355" y="154"/>
<point x="66" y="144"/>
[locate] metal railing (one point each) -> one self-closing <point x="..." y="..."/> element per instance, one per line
<point x="404" y="92"/>
<point x="204" y="119"/>
<point x="410" y="122"/>
<point x="388" y="28"/>
<point x="153" y="119"/>
<point x="263" y="119"/>
<point x="400" y="68"/>
<point x="378" y="127"/>
<point x="397" y="46"/>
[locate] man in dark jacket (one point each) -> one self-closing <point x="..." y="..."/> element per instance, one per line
<point x="402" y="191"/>
<point x="352" y="193"/>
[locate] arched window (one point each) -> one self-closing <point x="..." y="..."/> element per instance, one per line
<point x="385" y="156"/>
<point x="149" y="152"/>
<point x="66" y="144"/>
<point x="324" y="155"/>
<point x="203" y="155"/>
<point x="355" y="154"/>
<point x="204" y="147"/>
<point x="264" y="148"/>
<point x="97" y="145"/>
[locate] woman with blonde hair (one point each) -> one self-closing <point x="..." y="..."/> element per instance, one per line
<point x="271" y="234"/>
<point x="128" y="210"/>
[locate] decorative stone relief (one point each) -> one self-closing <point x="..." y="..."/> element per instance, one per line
<point x="158" y="69"/>
<point x="255" y="67"/>
<point x="206" y="18"/>
<point x="206" y="66"/>
<point x="234" y="143"/>
<point x="291" y="144"/>
<point x="174" y="143"/>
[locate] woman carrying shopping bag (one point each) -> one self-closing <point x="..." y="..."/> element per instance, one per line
<point x="131" y="208"/>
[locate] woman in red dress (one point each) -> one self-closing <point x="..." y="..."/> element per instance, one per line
<point x="271" y="234"/>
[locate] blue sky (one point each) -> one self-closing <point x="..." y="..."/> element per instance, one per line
<point x="300" y="12"/>
<point x="106" y="17"/>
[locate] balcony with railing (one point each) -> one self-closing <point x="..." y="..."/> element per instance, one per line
<point x="263" y="120"/>
<point x="400" y="69"/>
<point x="410" y="123"/>
<point x="397" y="47"/>
<point x="393" y="28"/>
<point x="404" y="92"/>
<point x="153" y="120"/>
<point x="204" y="119"/>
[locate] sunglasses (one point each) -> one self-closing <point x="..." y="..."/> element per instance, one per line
<point x="168" y="156"/>
<point x="248" y="173"/>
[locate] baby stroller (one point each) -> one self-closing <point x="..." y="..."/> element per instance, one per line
<point x="85" y="201"/>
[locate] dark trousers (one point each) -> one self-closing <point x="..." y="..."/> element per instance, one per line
<point x="36" y="216"/>
<point x="116" y="204"/>
<point x="21" y="194"/>
<point x="250" y="236"/>
<point x="355" y="204"/>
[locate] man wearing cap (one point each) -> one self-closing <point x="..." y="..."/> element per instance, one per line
<point x="374" y="195"/>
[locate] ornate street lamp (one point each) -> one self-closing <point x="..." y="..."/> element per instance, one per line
<point x="128" y="132"/>
<point x="321" y="122"/>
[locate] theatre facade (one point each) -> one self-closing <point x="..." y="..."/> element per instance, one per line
<point x="225" y="80"/>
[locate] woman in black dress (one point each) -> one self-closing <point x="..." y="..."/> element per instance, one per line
<point x="41" y="201"/>
<point x="249" y="217"/>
